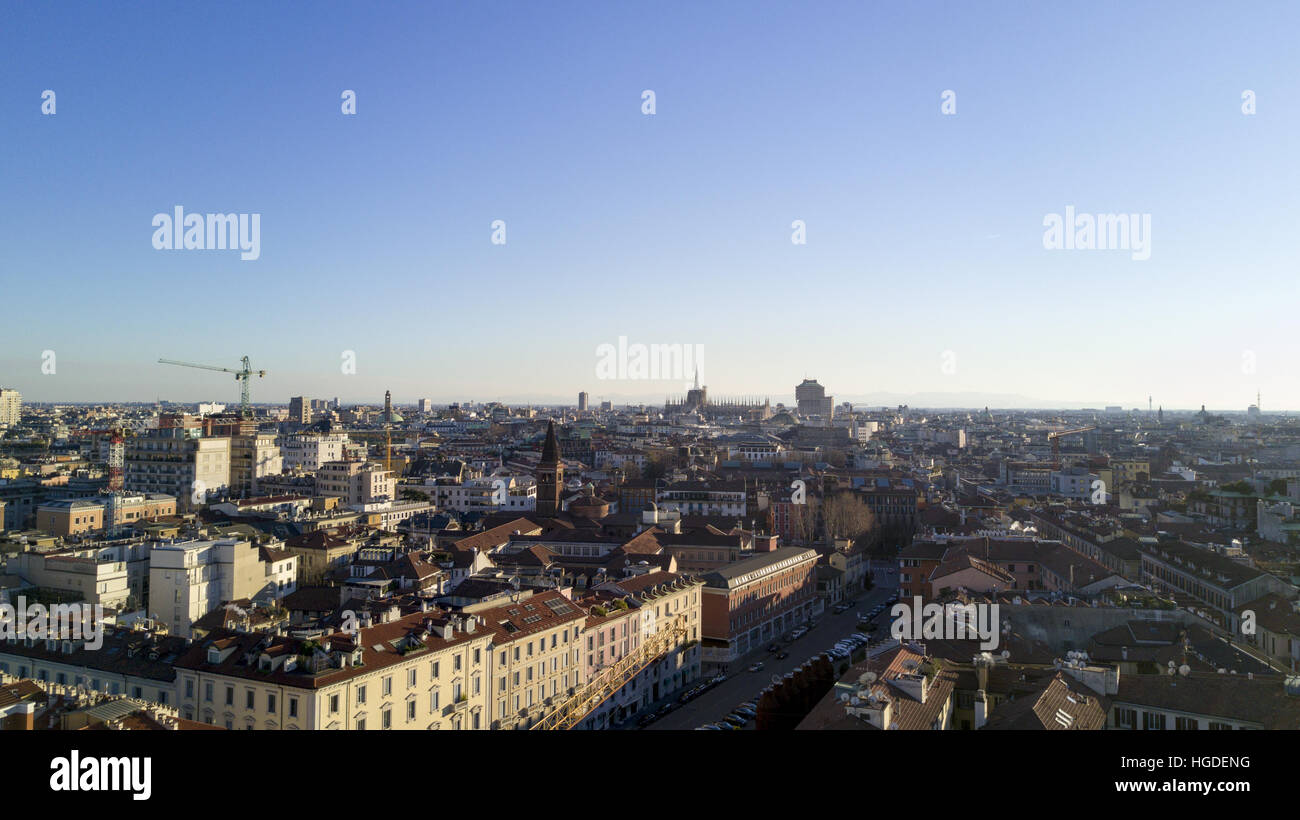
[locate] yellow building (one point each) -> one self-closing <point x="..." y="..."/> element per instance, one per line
<point x="420" y="671"/>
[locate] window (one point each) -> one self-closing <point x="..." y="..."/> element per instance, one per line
<point x="230" y="696"/>
<point x="410" y="678"/>
<point x="270" y="703"/>
<point x="410" y="710"/>
<point x="388" y="686"/>
<point x="293" y="707"/>
<point x="386" y="719"/>
<point x="207" y="692"/>
<point x="248" y="699"/>
<point x="334" y="704"/>
<point x="361" y="694"/>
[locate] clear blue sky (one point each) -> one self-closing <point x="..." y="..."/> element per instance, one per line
<point x="924" y="230"/>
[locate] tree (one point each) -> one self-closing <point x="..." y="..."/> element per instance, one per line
<point x="803" y="523"/>
<point x="846" y="515"/>
<point x="656" y="465"/>
<point x="1277" y="486"/>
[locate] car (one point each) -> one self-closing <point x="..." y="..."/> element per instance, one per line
<point x="798" y="633"/>
<point x="773" y="648"/>
<point x="709" y="727"/>
<point x="780" y="656"/>
<point x="747" y="714"/>
<point x="736" y="720"/>
<point x="758" y="667"/>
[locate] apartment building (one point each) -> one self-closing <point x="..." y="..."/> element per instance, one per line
<point x="720" y="498"/>
<point x="536" y="657"/>
<point x="310" y="451"/>
<point x="136" y="663"/>
<point x="753" y="601"/>
<point x="356" y="482"/>
<point x="108" y="574"/>
<point x="492" y="494"/>
<point x="175" y="462"/>
<point x="621" y="617"/>
<point x="77" y="516"/>
<point x="189" y="579"/>
<point x="253" y="457"/>
<point x="422" y="671"/>
<point x="1218" y="583"/>
<point x="300" y="410"/>
<point x="11" y="407"/>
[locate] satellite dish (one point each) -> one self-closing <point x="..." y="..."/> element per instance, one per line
<point x="1184" y="670"/>
<point x="1006" y="653"/>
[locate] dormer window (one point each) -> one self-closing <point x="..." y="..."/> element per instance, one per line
<point x="214" y="655"/>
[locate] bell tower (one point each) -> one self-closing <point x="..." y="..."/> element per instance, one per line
<point x="550" y="476"/>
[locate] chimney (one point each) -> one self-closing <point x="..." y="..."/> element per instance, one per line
<point x="981" y="707"/>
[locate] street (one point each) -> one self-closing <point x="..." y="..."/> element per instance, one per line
<point x="743" y="685"/>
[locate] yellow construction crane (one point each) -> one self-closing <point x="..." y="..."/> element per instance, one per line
<point x="599" y="689"/>
<point x="241" y="376"/>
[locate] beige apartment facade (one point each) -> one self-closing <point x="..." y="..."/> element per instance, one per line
<point x="417" y="672"/>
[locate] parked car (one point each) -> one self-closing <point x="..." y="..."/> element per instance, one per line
<point x="780" y="656"/>
<point x="773" y="648"/>
<point x="758" y="667"/>
<point x="736" y="720"/>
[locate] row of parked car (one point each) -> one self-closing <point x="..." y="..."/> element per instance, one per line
<point x="739" y="716"/>
<point x="688" y="696"/>
<point x="846" y="646"/>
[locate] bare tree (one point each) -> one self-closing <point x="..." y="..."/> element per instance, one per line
<point x="846" y="515"/>
<point x="803" y="523"/>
